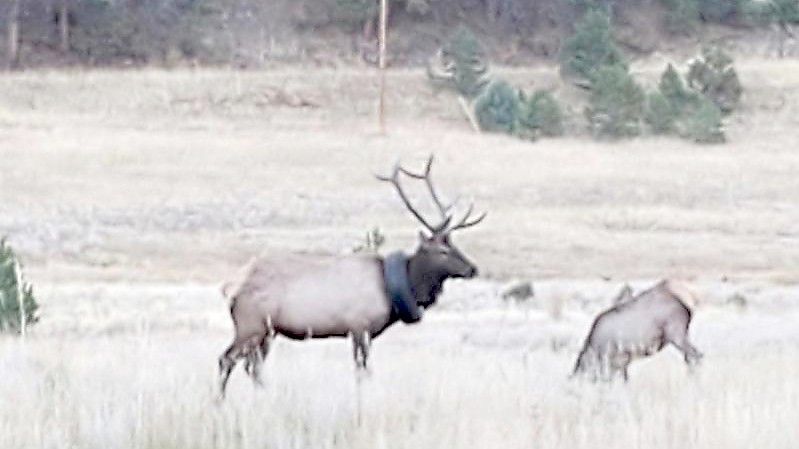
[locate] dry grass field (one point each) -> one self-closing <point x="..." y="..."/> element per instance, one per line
<point x="131" y="195"/>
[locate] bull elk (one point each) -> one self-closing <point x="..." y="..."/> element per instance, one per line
<point x="636" y="327"/>
<point x="358" y="295"/>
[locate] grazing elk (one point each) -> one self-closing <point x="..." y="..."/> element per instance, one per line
<point x="360" y="295"/>
<point x="636" y="327"/>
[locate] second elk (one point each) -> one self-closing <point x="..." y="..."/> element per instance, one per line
<point x="636" y="327"/>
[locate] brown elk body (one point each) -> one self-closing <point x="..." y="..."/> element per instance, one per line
<point x="311" y="296"/>
<point x="638" y="326"/>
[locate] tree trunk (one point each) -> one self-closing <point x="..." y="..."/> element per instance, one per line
<point x="63" y="25"/>
<point x="13" y="34"/>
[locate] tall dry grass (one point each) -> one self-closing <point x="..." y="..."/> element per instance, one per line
<point x="138" y="372"/>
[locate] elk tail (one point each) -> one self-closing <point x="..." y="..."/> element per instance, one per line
<point x="230" y="289"/>
<point x="683" y="293"/>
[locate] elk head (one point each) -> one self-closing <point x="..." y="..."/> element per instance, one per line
<point x="436" y="258"/>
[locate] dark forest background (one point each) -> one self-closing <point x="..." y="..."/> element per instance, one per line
<point x="256" y="33"/>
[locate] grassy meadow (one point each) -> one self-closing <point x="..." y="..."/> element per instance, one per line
<point x="131" y="195"/>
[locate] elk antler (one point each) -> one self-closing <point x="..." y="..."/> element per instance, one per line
<point x="465" y="222"/>
<point x="394" y="180"/>
<point x="446" y="218"/>
<point x="443" y="210"/>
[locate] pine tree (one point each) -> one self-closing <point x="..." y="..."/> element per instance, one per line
<point x="702" y="122"/>
<point x="497" y="107"/>
<point x="539" y="114"/>
<point x="676" y="109"/>
<point x="616" y="104"/>
<point x="713" y="76"/>
<point x="664" y="106"/>
<point x="672" y="86"/>
<point x="591" y="47"/>
<point x="11" y="316"/>
<point x="469" y="62"/>
<point x="660" y="113"/>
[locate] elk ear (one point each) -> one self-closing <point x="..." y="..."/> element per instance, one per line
<point x="424" y="238"/>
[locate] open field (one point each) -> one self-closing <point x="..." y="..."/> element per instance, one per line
<point x="132" y="195"/>
<point x="120" y="366"/>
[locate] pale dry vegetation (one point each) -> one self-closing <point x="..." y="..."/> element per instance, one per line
<point x="144" y="189"/>
<point x="121" y="366"/>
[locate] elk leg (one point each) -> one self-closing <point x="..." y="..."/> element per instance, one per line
<point x="605" y="360"/>
<point x="624" y="365"/>
<point x="367" y="343"/>
<point x="360" y="348"/>
<point x="226" y="364"/>
<point x="257" y="357"/>
<point x="617" y="365"/>
<point x="691" y="355"/>
<point x="678" y="336"/>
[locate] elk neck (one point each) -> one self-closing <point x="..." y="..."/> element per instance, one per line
<point x="426" y="281"/>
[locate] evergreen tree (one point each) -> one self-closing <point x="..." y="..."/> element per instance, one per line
<point x="469" y="61"/>
<point x="497" y="107"/>
<point x="660" y="113"/>
<point x="674" y="108"/>
<point x="539" y="115"/>
<point x="702" y="122"/>
<point x="616" y="104"/>
<point x="672" y="86"/>
<point x="12" y="295"/>
<point x="591" y="47"/>
<point x="713" y="76"/>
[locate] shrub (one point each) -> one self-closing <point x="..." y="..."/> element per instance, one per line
<point x="702" y="122"/>
<point x="682" y="16"/>
<point x="10" y="292"/>
<point x="616" y="103"/>
<point x="713" y="75"/>
<point x="539" y="115"/>
<point x="592" y="46"/>
<point x="497" y="107"/>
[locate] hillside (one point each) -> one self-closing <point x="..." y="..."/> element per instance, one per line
<point x="249" y="33"/>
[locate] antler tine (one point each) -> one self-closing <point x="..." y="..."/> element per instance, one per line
<point x="443" y="210"/>
<point x="394" y="180"/>
<point x="465" y="222"/>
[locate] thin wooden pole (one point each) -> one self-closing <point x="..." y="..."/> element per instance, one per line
<point x="13" y="34"/>
<point x="63" y="22"/>
<point x="381" y="112"/>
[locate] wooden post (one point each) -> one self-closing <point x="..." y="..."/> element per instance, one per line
<point x="63" y="25"/>
<point x="381" y="111"/>
<point x="13" y="34"/>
